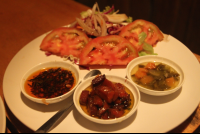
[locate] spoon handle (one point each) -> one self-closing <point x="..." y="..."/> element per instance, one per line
<point x="46" y="127"/>
<point x="54" y="119"/>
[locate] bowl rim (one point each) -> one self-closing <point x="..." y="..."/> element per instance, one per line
<point x="166" y="61"/>
<point x="135" y="92"/>
<point x="33" y="69"/>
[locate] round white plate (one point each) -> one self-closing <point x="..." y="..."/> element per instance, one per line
<point x="2" y="117"/>
<point x="155" y="114"/>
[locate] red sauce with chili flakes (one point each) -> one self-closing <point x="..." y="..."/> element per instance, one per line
<point x="50" y="82"/>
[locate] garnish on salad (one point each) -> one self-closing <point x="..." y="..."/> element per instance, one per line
<point x="96" y="23"/>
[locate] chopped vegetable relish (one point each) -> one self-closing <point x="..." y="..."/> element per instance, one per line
<point x="155" y="76"/>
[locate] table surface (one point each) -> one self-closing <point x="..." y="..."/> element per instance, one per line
<point x="24" y="20"/>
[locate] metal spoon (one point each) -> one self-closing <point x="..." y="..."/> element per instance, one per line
<point x="60" y="114"/>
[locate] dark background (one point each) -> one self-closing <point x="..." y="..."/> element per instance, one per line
<point x="179" y="18"/>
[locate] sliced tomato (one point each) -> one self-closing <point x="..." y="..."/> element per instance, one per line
<point x="132" y="30"/>
<point x="65" y="41"/>
<point x="108" y="50"/>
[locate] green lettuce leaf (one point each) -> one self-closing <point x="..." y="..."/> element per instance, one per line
<point x="107" y="8"/>
<point x="129" y="20"/>
<point x="147" y="50"/>
<point x="85" y="14"/>
<point x="142" y="36"/>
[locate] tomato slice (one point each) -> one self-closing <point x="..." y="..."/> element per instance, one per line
<point x="132" y="30"/>
<point x="108" y="50"/>
<point x="64" y="41"/>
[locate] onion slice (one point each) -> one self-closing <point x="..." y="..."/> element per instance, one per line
<point x="86" y="28"/>
<point x="102" y="23"/>
<point x="116" y="18"/>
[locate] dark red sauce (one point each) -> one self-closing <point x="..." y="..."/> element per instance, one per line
<point x="50" y="82"/>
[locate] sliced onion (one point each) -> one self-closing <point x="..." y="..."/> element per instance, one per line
<point x="94" y="8"/>
<point x="116" y="12"/>
<point x="103" y="26"/>
<point x="115" y="29"/>
<point x="105" y="18"/>
<point x="86" y="28"/>
<point x="88" y="22"/>
<point x="98" y="10"/>
<point x="94" y="21"/>
<point x="72" y="24"/>
<point x="116" y="18"/>
<point x="102" y="23"/>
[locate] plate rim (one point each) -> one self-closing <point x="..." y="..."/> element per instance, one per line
<point x="2" y="108"/>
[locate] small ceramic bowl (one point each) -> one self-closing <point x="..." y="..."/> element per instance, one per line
<point x="51" y="64"/>
<point x="133" y="89"/>
<point x="155" y="58"/>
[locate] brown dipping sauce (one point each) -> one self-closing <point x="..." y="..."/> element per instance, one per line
<point x="50" y="82"/>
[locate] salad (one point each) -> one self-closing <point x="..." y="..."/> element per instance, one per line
<point x="109" y="22"/>
<point x="103" y="38"/>
<point x="97" y="23"/>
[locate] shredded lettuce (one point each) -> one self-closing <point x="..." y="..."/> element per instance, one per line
<point x="143" y="53"/>
<point x="147" y="48"/>
<point x="129" y="20"/>
<point x="85" y="14"/>
<point x="108" y="8"/>
<point x="142" y="36"/>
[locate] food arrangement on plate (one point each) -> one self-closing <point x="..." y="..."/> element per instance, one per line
<point x="103" y="38"/>
<point x="109" y="38"/>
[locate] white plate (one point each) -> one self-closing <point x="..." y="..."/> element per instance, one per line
<point x="155" y="114"/>
<point x="2" y="117"/>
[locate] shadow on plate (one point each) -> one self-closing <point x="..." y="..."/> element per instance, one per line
<point x="101" y="67"/>
<point x="77" y="116"/>
<point x="159" y="99"/>
<point x="81" y="120"/>
<point x="43" y="107"/>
